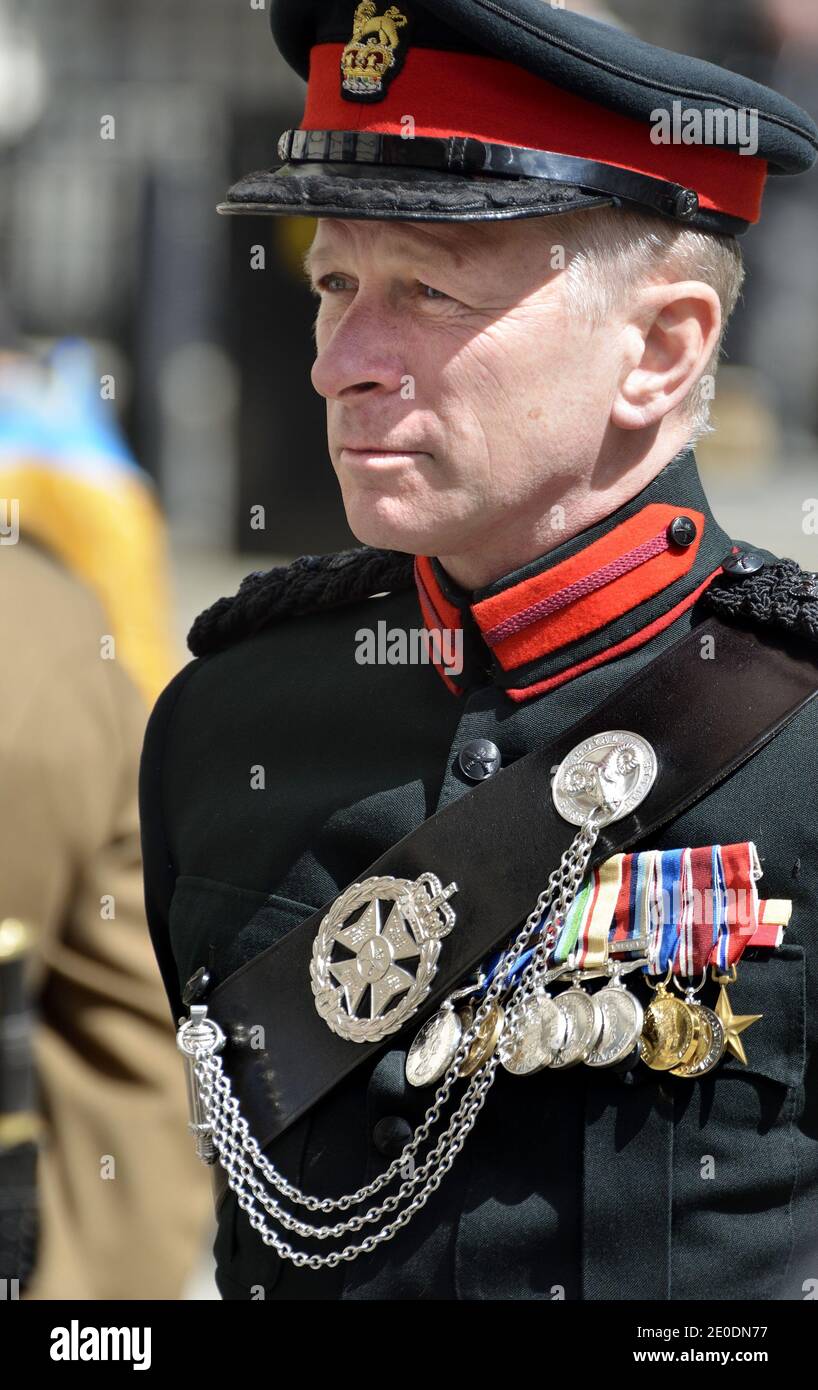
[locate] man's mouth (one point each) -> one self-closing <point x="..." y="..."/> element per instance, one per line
<point x="361" y="453"/>
<point x="376" y="448"/>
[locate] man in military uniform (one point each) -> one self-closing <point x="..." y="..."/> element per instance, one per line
<point x="522" y="290"/>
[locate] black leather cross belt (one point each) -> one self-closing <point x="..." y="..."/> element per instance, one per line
<point x="501" y="841"/>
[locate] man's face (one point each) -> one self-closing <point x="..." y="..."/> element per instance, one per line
<point x="461" y="395"/>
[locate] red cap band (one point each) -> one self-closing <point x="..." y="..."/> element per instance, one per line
<point x="499" y="102"/>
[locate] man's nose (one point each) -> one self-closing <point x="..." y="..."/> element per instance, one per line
<point x="362" y="352"/>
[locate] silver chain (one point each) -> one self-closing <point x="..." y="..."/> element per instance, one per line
<point x="239" y="1153"/>
<point x="536" y="973"/>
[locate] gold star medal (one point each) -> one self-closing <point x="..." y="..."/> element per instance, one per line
<point x="733" y="1024"/>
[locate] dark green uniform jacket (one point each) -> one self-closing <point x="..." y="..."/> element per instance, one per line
<point x="580" y="1184"/>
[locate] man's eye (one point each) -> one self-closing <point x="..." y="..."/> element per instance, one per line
<point x="334" y="282"/>
<point x="323" y="283"/>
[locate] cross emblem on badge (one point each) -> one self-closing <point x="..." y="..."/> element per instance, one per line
<point x="375" y="949"/>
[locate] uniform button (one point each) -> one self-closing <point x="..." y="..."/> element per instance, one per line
<point x="682" y="530"/>
<point x="390" y="1135"/>
<point x="196" y="986"/>
<point x="686" y="203"/>
<point x="745" y="562"/>
<point x="479" y="759"/>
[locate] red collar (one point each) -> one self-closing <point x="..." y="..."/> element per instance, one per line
<point x="601" y="594"/>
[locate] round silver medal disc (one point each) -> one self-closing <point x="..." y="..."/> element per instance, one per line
<point x="535" y="1037"/>
<point x="612" y="771"/>
<point x="622" y="1016"/>
<point x="433" y="1049"/>
<point x="554" y="1027"/>
<point x="585" y="1020"/>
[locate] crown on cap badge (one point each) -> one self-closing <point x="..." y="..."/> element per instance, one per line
<point x="374" y="54"/>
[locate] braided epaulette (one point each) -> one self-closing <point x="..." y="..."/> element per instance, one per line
<point x="310" y="583"/>
<point x="780" y="594"/>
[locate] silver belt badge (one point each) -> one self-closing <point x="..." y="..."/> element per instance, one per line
<point x="371" y="974"/>
<point x="611" y="772"/>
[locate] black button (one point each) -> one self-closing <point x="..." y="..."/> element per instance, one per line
<point x="686" y="203"/>
<point x="682" y="530"/>
<point x="196" y="987"/>
<point x="391" y="1135"/>
<point x="745" y="562"/>
<point x="479" y="758"/>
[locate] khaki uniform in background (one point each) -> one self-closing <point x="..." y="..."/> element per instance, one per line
<point x="111" y="1078"/>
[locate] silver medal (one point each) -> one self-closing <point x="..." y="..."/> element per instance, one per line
<point x="584" y="1020"/>
<point x="622" y="1016"/>
<point x="534" y="1037"/>
<point x="432" y="1051"/>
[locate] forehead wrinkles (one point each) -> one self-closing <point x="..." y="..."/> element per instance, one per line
<point x="461" y="248"/>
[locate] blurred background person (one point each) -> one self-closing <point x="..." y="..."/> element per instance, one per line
<point x="113" y="1207"/>
<point x="120" y="1209"/>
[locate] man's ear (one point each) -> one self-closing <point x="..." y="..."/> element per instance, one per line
<point x="668" y="345"/>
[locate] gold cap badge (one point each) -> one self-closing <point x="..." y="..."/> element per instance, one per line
<point x="375" y="53"/>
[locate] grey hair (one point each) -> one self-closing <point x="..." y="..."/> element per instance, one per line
<point x="611" y="251"/>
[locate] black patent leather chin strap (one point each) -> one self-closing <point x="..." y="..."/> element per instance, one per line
<point x="468" y="156"/>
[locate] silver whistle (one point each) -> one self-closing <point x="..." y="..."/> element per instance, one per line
<point x="199" y="1036"/>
